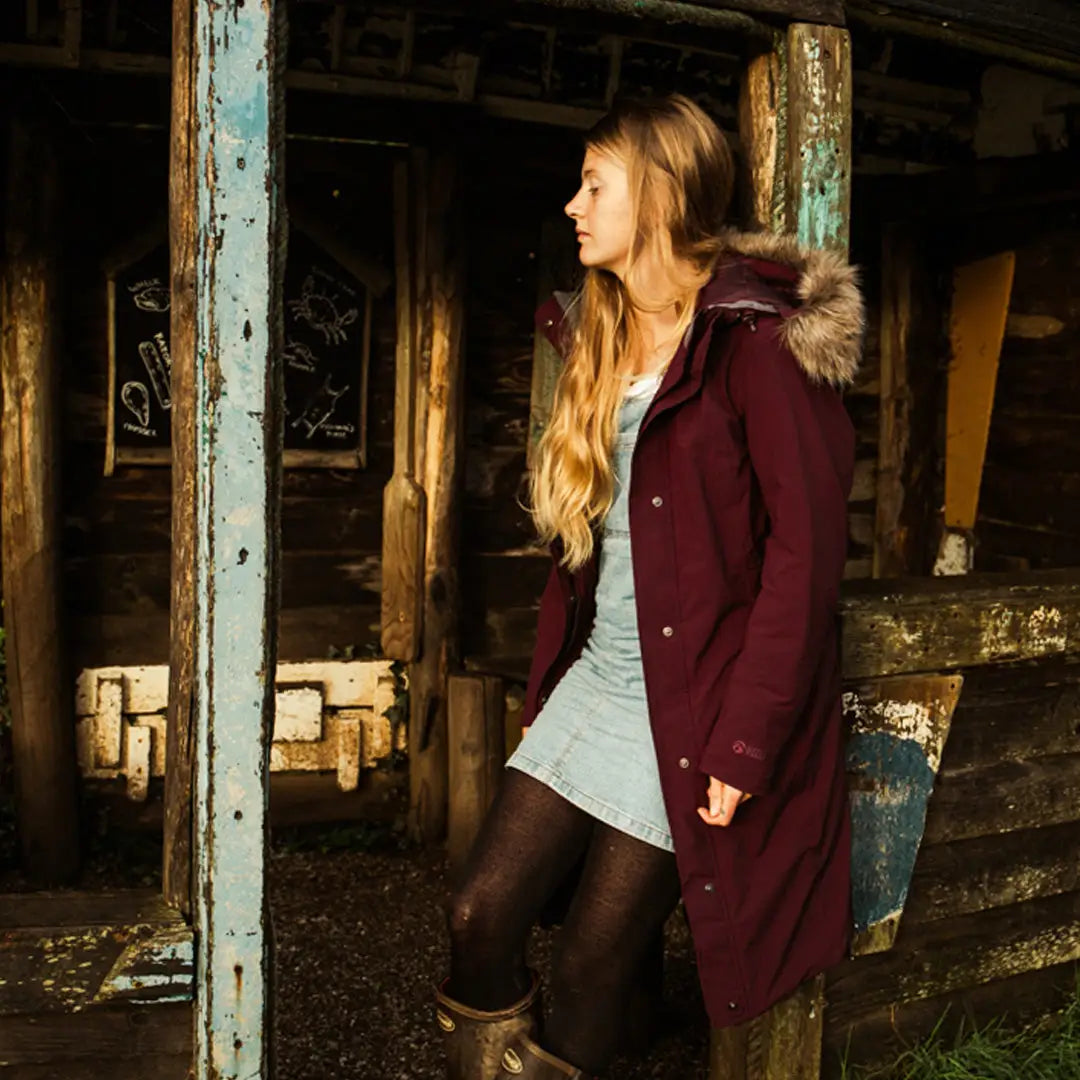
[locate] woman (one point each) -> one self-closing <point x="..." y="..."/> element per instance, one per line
<point x="684" y="695"/>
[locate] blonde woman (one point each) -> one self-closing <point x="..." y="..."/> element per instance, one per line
<point x="686" y="736"/>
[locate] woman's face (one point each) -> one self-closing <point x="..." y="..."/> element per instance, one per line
<point x="602" y="213"/>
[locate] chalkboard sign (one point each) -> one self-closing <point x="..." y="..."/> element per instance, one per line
<point x="327" y="321"/>
<point x="140" y="366"/>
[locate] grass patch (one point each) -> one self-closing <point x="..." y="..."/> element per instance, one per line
<point x="1046" y="1050"/>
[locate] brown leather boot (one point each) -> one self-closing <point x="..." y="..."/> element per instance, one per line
<point x="525" y="1060"/>
<point x="476" y="1040"/>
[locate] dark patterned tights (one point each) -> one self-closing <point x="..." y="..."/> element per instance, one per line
<point x="530" y="840"/>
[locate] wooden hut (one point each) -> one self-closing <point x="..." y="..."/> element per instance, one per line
<point x="426" y="149"/>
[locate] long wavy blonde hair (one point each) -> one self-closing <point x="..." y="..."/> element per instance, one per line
<point x="680" y="173"/>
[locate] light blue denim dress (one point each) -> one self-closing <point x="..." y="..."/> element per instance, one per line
<point x="591" y="742"/>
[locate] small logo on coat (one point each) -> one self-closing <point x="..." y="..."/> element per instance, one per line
<point x="739" y="747"/>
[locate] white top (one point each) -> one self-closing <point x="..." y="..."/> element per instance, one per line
<point x="644" y="384"/>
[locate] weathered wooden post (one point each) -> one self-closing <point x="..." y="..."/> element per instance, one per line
<point x="43" y="729"/>
<point x="440" y="433"/>
<point x="177" y="838"/>
<point x="477" y="738"/>
<point x="237" y="453"/>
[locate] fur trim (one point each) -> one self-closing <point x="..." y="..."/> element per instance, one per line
<point x="825" y="332"/>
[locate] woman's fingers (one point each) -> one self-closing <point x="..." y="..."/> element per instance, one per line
<point x="723" y="801"/>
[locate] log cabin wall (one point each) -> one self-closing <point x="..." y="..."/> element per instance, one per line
<point x="917" y="107"/>
<point x="117" y="527"/>
<point x="1029" y="505"/>
<point x="990" y="926"/>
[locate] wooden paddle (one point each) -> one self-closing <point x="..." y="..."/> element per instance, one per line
<point x="404" y="502"/>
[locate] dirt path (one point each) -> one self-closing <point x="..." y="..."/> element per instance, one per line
<point x="360" y="943"/>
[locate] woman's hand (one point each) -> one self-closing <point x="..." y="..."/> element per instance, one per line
<point x="723" y="800"/>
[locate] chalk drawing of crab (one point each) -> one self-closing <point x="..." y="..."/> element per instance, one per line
<point x="319" y="311"/>
<point x="299" y="356"/>
<point x="152" y="297"/>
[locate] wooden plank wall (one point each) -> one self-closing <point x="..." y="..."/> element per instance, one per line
<point x="1029" y="508"/>
<point x="116" y="529"/>
<point x="992" y="921"/>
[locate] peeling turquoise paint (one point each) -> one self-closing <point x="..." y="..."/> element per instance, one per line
<point x="236" y="253"/>
<point x="892" y="781"/>
<point x="821" y="205"/>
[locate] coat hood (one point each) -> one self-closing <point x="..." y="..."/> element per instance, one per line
<point x="815" y="293"/>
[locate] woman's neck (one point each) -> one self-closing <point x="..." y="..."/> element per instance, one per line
<point x="659" y="339"/>
<point x="659" y="329"/>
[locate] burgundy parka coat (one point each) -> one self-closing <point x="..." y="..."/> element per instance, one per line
<point x="738" y="496"/>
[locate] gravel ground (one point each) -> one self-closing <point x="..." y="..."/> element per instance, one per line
<point x="360" y="943"/>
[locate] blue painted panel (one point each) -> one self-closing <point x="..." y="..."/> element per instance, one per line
<point x="888" y="813"/>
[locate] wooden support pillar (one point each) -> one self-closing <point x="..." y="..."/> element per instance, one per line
<point x="980" y="308"/>
<point x="39" y="683"/>
<point x="817" y="126"/>
<point x="795" y="110"/>
<point x="795" y="126"/>
<point x="440" y="433"/>
<point x="909" y="396"/>
<point x="236" y="71"/>
<point x="176" y="868"/>
<point x="403" y="498"/>
<point x="781" y="1044"/>
<point x="477" y="738"/>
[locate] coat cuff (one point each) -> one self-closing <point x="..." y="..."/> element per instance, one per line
<point x="736" y="761"/>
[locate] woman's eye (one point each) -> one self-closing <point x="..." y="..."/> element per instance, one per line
<point x="593" y="190"/>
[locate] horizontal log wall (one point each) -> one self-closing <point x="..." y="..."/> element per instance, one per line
<point x="992" y="921"/>
<point x="1029" y="507"/>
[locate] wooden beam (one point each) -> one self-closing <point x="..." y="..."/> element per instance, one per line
<point x="959" y="35"/>
<point x="944" y="623"/>
<point x="819" y="116"/>
<point x="239" y="264"/>
<point x="1039" y="25"/>
<point x="43" y="735"/>
<point x="783" y="1043"/>
<point x="71" y="34"/>
<point x="763" y="136"/>
<point x="337" y="35"/>
<point x="112" y="24"/>
<point x="980" y="307"/>
<point x="403" y="499"/>
<point x="908" y="412"/>
<point x="477" y="741"/>
<point x="616" y="47"/>
<point x="177" y="838"/>
<point x="440" y="424"/>
<point x="408" y="44"/>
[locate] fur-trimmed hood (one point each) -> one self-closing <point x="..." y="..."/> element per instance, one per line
<point x="814" y="292"/>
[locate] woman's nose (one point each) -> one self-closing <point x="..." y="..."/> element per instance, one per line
<point x="573" y="208"/>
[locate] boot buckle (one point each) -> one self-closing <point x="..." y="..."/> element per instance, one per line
<point x="511" y="1062"/>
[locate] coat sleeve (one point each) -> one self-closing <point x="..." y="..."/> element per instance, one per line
<point x="801" y="447"/>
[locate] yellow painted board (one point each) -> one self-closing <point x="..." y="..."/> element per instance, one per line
<point x="980" y="307"/>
